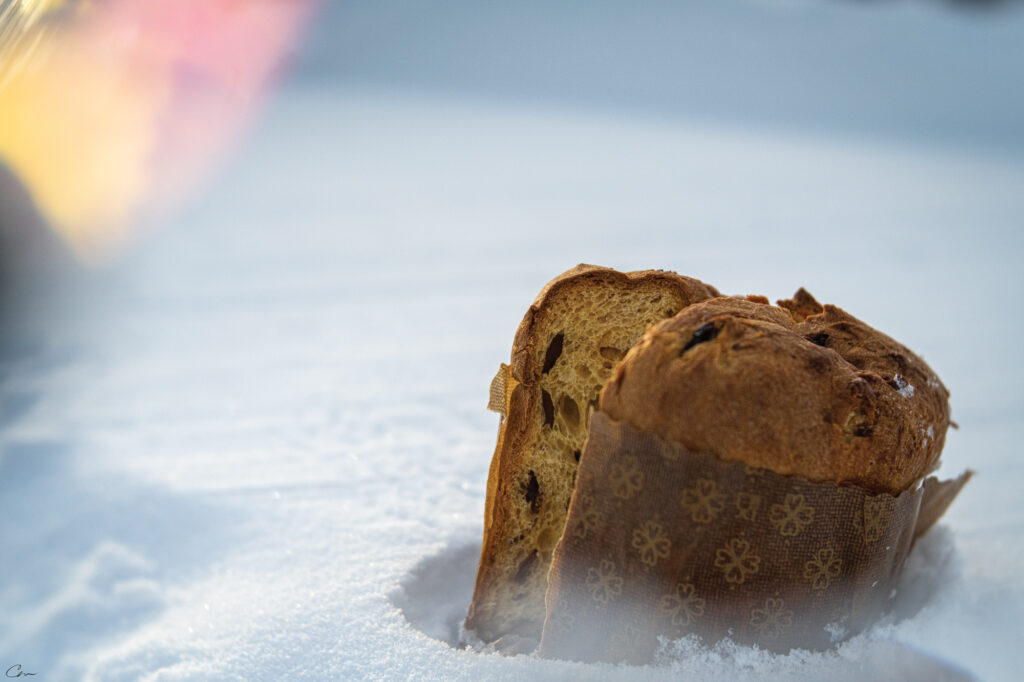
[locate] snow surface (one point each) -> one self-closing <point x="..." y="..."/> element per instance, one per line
<point x="256" y="447"/>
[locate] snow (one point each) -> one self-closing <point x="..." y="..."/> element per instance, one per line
<point x="256" y="446"/>
<point x="903" y="387"/>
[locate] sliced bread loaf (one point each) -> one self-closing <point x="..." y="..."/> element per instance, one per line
<point x="567" y="346"/>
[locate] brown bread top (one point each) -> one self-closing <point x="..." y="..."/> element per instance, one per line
<point x="800" y="389"/>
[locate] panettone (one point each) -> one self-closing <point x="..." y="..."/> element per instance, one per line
<point x="752" y="472"/>
<point x="567" y="346"/>
<point x="799" y="389"/>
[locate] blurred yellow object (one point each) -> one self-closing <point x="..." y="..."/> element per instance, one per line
<point x="20" y="31"/>
<point x="75" y="126"/>
<point x="112" y="109"/>
<point x="40" y="6"/>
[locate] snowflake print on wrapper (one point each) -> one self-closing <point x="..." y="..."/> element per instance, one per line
<point x="652" y="542"/>
<point x="604" y="583"/>
<point x="627" y="477"/>
<point x="822" y="568"/>
<point x="792" y="516"/>
<point x="703" y="501"/>
<point x="772" y="620"/>
<point x="682" y="605"/>
<point x="737" y="561"/>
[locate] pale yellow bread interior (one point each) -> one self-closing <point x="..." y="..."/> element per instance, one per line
<point x="567" y="347"/>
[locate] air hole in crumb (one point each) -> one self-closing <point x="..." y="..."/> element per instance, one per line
<point x="570" y="412"/>
<point x="531" y="491"/>
<point x="549" y="407"/>
<point x="612" y="353"/>
<point x="576" y="455"/>
<point x="704" y="333"/>
<point x="819" y="339"/>
<point x="553" y="352"/>
<point x="526" y="568"/>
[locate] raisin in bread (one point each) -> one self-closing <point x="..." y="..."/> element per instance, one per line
<point x="798" y="388"/>
<point x="567" y="346"/>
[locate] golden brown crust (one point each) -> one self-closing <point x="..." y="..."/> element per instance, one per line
<point x="488" y="616"/>
<point x="801" y="389"/>
<point x="525" y="343"/>
<point x="801" y="306"/>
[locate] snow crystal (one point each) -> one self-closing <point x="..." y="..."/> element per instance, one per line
<point x="837" y="632"/>
<point x="903" y="388"/>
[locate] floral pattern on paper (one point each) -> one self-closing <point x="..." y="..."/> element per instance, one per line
<point x="682" y="605"/>
<point x="587" y="518"/>
<point x="669" y="452"/>
<point x="737" y="561"/>
<point x="627" y="479"/>
<point x="822" y="568"/>
<point x="703" y="501"/>
<point x="753" y="471"/>
<point x="792" y="516"/>
<point x="604" y="582"/>
<point x="772" y="620"/>
<point x="747" y="505"/>
<point x="651" y="540"/>
<point x="873" y="519"/>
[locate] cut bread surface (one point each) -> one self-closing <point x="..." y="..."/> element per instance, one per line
<point x="567" y="347"/>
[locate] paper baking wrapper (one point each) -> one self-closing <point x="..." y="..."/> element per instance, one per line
<point x="661" y="541"/>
